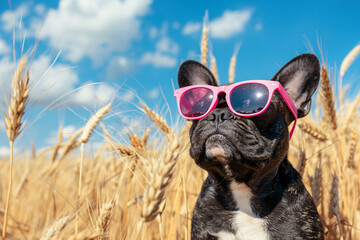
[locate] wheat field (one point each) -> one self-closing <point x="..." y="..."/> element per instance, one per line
<point x="147" y="188"/>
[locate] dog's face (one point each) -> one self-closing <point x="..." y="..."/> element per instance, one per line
<point x="248" y="148"/>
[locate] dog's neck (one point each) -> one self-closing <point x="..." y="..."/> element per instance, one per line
<point x="263" y="189"/>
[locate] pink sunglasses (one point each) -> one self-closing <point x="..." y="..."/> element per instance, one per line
<point x="245" y="99"/>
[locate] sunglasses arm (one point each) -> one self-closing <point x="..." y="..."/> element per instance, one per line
<point x="291" y="106"/>
<point x="292" y="129"/>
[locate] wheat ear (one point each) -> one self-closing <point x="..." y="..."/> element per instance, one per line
<point x="13" y="122"/>
<point x="93" y="122"/>
<point x="302" y="162"/>
<point x="161" y="173"/>
<point x="352" y="148"/>
<point x="327" y="98"/>
<point x="56" y="228"/>
<point x="88" y="129"/>
<point x="204" y="40"/>
<point x="232" y="65"/>
<point x="159" y="121"/>
<point x="350" y="57"/>
<point x="317" y="184"/>
<point x="104" y="218"/>
<point x="353" y="111"/>
<point x="313" y="131"/>
<point x="334" y="201"/>
<point x="214" y="68"/>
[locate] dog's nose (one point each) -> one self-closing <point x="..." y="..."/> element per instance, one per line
<point x="218" y="116"/>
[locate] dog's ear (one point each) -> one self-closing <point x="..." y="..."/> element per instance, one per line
<point x="194" y="73"/>
<point x="300" y="78"/>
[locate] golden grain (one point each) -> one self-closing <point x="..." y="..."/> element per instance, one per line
<point x="159" y="121"/>
<point x="214" y="69"/>
<point x="13" y="122"/>
<point x="93" y="122"/>
<point x="161" y="173"/>
<point x="204" y="40"/>
<point x="56" y="228"/>
<point x="327" y="98"/>
<point x="104" y="218"/>
<point x="312" y="131"/>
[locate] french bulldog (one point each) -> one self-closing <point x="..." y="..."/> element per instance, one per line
<point x="252" y="191"/>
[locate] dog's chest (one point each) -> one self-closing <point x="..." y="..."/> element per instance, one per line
<point x="245" y="223"/>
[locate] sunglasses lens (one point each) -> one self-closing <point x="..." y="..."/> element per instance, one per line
<point x="249" y="98"/>
<point x="196" y="102"/>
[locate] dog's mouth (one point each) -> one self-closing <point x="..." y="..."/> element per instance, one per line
<point x="217" y="146"/>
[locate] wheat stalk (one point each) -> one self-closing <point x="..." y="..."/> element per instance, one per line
<point x="71" y="143"/>
<point x="313" y="131"/>
<point x="58" y="146"/>
<point x="88" y="129"/>
<point x="204" y="40"/>
<point x="328" y="98"/>
<point x="13" y="122"/>
<point x="350" y="57"/>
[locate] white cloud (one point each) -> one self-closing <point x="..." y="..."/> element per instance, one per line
<point x="258" y="27"/>
<point x="154" y="93"/>
<point x="4" y="48"/>
<point x="90" y="95"/>
<point x="11" y="18"/>
<point x="191" y="27"/>
<point x="166" y="45"/>
<point x="158" y="59"/>
<point x="155" y="32"/>
<point x="4" y="151"/>
<point x="119" y="66"/>
<point x="193" y="54"/>
<point x="94" y="28"/>
<point x="230" y="23"/>
<point x="175" y="25"/>
<point x="60" y="83"/>
<point x="40" y="9"/>
<point x="59" y="80"/>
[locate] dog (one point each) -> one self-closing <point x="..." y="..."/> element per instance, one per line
<point x="252" y="191"/>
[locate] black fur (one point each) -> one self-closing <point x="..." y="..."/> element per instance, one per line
<point x="255" y="152"/>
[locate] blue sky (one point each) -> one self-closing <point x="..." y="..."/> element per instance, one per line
<point x="123" y="51"/>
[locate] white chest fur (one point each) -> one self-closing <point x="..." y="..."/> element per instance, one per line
<point x="246" y="224"/>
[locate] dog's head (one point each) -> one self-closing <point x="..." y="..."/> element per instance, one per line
<point x="229" y="146"/>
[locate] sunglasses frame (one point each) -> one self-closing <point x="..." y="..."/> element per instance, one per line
<point x="272" y="86"/>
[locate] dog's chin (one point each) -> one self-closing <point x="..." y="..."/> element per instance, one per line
<point x="218" y="147"/>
